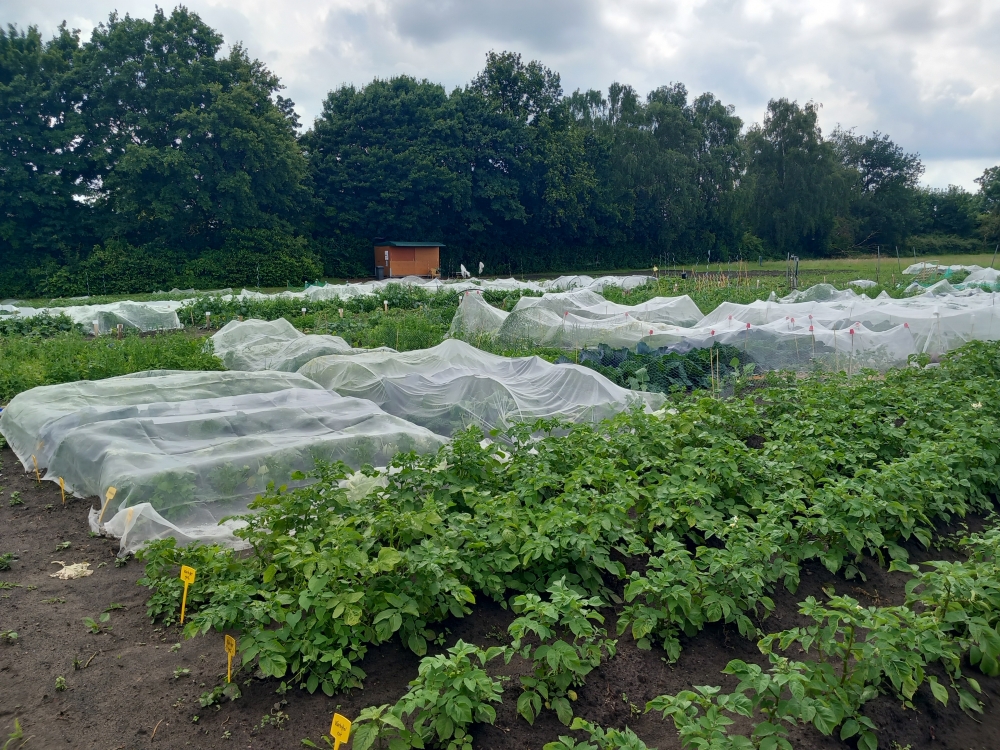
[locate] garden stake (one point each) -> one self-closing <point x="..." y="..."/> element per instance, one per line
<point x="62" y="489"/>
<point x="38" y="477"/>
<point x="230" y="653"/>
<point x="108" y="497"/>
<point x="187" y="575"/>
<point x="340" y="730"/>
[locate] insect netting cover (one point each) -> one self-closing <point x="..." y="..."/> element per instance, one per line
<point x="817" y="328"/>
<point x="183" y="457"/>
<point x="588" y="304"/>
<point x="272" y="345"/>
<point x="570" y="320"/>
<point x="24" y="419"/>
<point x="143" y="316"/>
<point x="454" y="385"/>
<point x="938" y="320"/>
<point x="180" y="471"/>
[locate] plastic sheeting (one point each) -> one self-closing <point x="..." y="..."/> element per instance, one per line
<point x="454" y="385"/>
<point x="179" y="467"/>
<point x="273" y="345"/>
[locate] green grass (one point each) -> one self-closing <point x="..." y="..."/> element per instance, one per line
<point x="50" y="349"/>
<point x="29" y="361"/>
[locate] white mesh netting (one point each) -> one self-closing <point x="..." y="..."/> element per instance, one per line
<point x="143" y="316"/>
<point x="162" y="315"/>
<point x="570" y="320"/>
<point x="273" y="345"/>
<point x="818" y="327"/>
<point x="453" y="385"/>
<point x="22" y="421"/>
<point x="185" y="450"/>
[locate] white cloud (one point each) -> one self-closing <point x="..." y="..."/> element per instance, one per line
<point x="927" y="72"/>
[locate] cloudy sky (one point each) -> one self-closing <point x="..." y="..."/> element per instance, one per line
<point x="925" y="72"/>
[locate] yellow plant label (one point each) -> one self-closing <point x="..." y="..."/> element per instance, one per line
<point x="230" y="653"/>
<point x="38" y="477"/>
<point x="62" y="489"/>
<point x="340" y="729"/>
<point x="108" y="497"/>
<point x="187" y="575"/>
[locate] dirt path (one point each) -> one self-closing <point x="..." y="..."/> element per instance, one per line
<point x="121" y="686"/>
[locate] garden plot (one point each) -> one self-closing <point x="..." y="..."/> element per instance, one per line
<point x="177" y="466"/>
<point x="25" y="418"/>
<point x="820" y="327"/>
<point x="454" y="385"/>
<point x="570" y="320"/>
<point x="273" y="345"/>
<point x="143" y="316"/>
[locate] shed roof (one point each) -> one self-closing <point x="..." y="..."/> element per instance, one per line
<point x="396" y="243"/>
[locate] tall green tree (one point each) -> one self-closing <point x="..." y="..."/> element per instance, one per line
<point x="797" y="183"/>
<point x="44" y="215"/>
<point x="187" y="144"/>
<point x="884" y="179"/>
<point x="989" y="203"/>
<point x="387" y="160"/>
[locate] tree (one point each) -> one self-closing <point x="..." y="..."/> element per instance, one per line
<point x="884" y="199"/>
<point x="797" y="184"/>
<point x="951" y="211"/>
<point x="186" y="144"/>
<point x="44" y="214"/>
<point x="524" y="91"/>
<point x="386" y="160"/>
<point x="989" y="203"/>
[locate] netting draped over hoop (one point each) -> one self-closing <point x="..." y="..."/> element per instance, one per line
<point x="820" y="327"/>
<point x="272" y="345"/>
<point x="185" y="450"/>
<point x="453" y="385"/>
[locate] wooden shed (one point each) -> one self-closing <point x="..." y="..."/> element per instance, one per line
<point x="407" y="258"/>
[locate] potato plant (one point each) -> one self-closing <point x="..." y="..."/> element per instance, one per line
<point x="721" y="501"/>
<point x="559" y="663"/>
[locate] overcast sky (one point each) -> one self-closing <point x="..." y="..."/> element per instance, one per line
<point x="927" y="73"/>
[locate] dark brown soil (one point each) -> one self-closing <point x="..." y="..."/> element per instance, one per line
<point x="121" y="686"/>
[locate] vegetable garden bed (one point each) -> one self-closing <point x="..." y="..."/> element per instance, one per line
<point x="691" y="535"/>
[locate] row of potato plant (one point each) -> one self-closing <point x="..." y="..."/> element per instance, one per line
<point x="949" y="617"/>
<point x="716" y="505"/>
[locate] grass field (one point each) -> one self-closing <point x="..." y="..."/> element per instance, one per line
<point x="811" y="270"/>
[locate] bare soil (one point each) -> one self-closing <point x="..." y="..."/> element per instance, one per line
<point x="122" y="693"/>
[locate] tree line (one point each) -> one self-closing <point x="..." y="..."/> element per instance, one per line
<point x="151" y="157"/>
